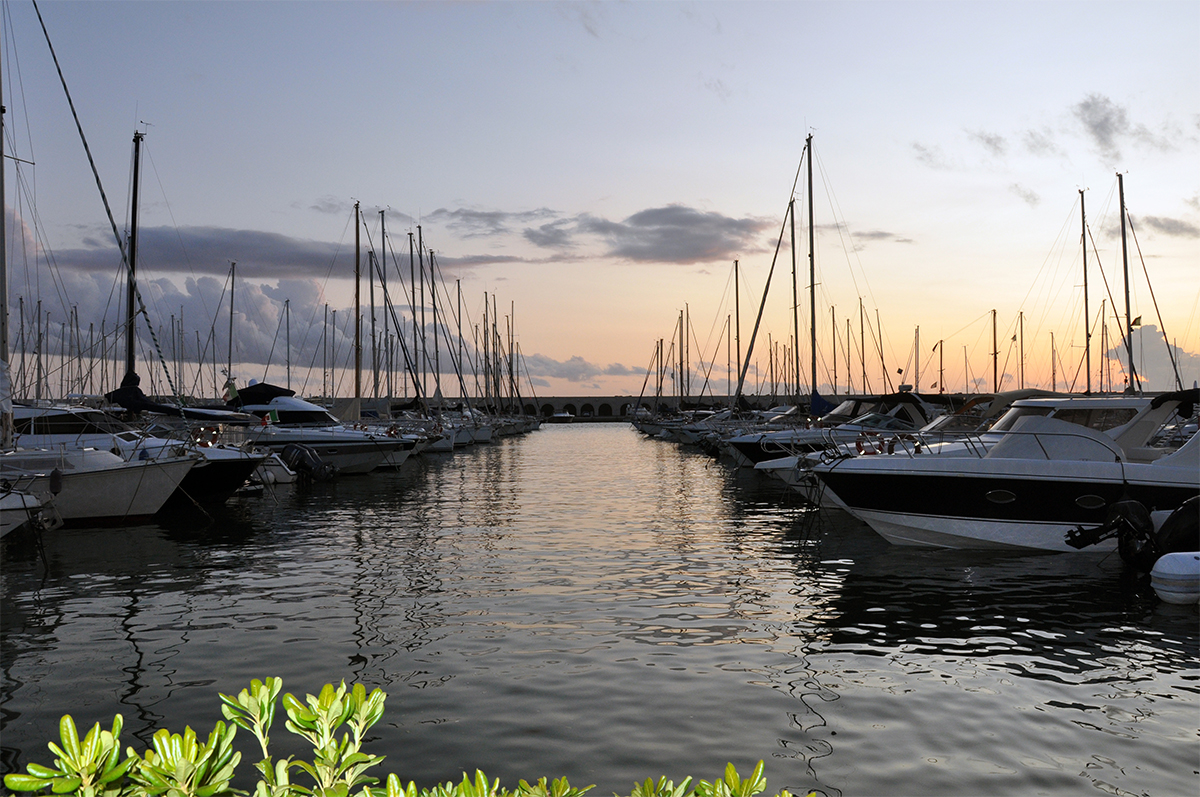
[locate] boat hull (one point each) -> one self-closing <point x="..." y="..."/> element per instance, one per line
<point x="117" y="493"/>
<point x="998" y="504"/>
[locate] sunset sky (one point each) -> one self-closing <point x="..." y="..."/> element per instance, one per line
<point x="598" y="167"/>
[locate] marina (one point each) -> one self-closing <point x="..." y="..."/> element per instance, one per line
<point x="585" y="601"/>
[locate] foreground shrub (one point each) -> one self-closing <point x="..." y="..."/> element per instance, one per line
<point x="180" y="766"/>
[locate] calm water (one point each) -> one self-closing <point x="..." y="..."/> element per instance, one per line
<point x="588" y="603"/>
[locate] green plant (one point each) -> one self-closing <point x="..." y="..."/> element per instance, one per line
<point x="338" y="766"/>
<point x="179" y="766"/>
<point x="254" y="710"/>
<point x="89" y="768"/>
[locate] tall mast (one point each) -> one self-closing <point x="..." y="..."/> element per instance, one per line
<point x="995" y="357"/>
<point x="862" y="344"/>
<point x="371" y="261"/>
<point x="6" y="417"/>
<point x="357" y="307"/>
<point x="812" y="268"/>
<point x="424" y="346"/>
<point x="795" y="299"/>
<point x="833" y="347"/>
<point x="737" y="315"/>
<point x="386" y="326"/>
<point x="1125" y="262"/>
<point x="1021" y="324"/>
<point x="131" y="287"/>
<point x="1087" y="321"/>
<point x="229" y="366"/>
<point x="412" y="283"/>
<point x="917" y="360"/>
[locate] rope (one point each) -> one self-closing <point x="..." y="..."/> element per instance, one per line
<point x="107" y="209"/>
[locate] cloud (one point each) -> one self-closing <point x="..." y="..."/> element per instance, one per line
<point x="994" y="144"/>
<point x="1108" y="125"/>
<point x="869" y="235"/>
<point x="471" y="223"/>
<point x="1103" y="121"/>
<point x="1040" y="142"/>
<point x="1027" y="195"/>
<point x="718" y="87"/>
<point x="1177" y="228"/>
<point x="1152" y="357"/>
<point x="552" y="235"/>
<point x="676" y="234"/>
<point x="575" y="369"/>
<point x="209" y="250"/>
<point x="931" y="156"/>
<point x="332" y="205"/>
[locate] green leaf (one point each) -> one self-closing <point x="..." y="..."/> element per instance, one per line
<point x="39" y="771"/>
<point x="18" y="782"/>
<point x="65" y="785"/>
<point x="69" y="737"/>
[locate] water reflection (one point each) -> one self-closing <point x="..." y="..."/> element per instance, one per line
<point x="588" y="603"/>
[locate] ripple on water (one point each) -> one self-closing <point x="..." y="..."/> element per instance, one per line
<point x="589" y="603"/>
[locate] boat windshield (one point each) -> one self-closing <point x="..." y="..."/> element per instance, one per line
<point x="1102" y="419"/>
<point x="316" y="417"/>
<point x="964" y="422"/>
<point x="877" y="420"/>
<point x="1015" y="414"/>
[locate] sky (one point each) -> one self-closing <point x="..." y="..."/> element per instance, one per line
<point x="595" y="169"/>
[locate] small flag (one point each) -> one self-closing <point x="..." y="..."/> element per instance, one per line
<point x="270" y="417"/>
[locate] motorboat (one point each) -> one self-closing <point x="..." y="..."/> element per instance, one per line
<point x="968" y="432"/>
<point x="220" y="470"/>
<point x="89" y="485"/>
<point x="286" y="419"/>
<point x="906" y="411"/>
<point x="1043" y="478"/>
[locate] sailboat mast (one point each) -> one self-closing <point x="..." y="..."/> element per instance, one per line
<point x="737" y="315"/>
<point x="6" y="418"/>
<point x="357" y="306"/>
<point x="131" y="287"/>
<point x="1087" y="321"/>
<point x="917" y="359"/>
<point x="1125" y="263"/>
<point x="833" y="347"/>
<point x="995" y="357"/>
<point x="371" y="261"/>
<point x="795" y="298"/>
<point x="229" y="366"/>
<point x="386" y="303"/>
<point x="812" y="267"/>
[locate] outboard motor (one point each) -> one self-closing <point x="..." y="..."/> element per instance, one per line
<point x="1138" y="543"/>
<point x="307" y="463"/>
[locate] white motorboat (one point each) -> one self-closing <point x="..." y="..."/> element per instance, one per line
<point x="95" y="486"/>
<point x="967" y="433"/>
<point x="286" y="419"/>
<point x="1044" y="478"/>
<point x="906" y="411"/>
<point x="218" y="473"/>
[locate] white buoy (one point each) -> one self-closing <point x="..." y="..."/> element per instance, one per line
<point x="1176" y="577"/>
